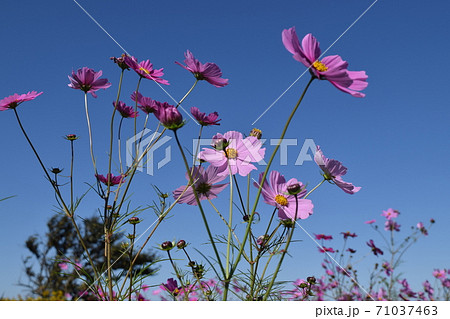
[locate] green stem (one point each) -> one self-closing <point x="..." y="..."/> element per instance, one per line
<point x="258" y="194"/>
<point x="191" y="182"/>
<point x="288" y="242"/>
<point x="188" y="92"/>
<point x="91" y="143"/>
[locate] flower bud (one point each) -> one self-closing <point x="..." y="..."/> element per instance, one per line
<point x="311" y="280"/>
<point x="294" y="189"/>
<point x="56" y="170"/>
<point x="71" y="137"/>
<point x="169" y="116"/>
<point x="167" y="245"/>
<point x="134" y="220"/>
<point x="256" y="133"/>
<point x="181" y="244"/>
<point x="220" y="144"/>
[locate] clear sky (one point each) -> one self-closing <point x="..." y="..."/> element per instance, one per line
<point x="393" y="141"/>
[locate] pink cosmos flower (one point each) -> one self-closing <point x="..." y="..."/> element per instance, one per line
<point x="111" y="180"/>
<point x="370" y="221"/>
<point x="440" y="274"/>
<point x="88" y="81"/>
<point x="331" y="68"/>
<point x="63" y="266"/>
<point x="203" y="184"/>
<point x="146" y="104"/>
<point x="275" y="193"/>
<point x="208" y="71"/>
<point x="125" y="110"/>
<point x="203" y="119"/>
<point x="145" y="69"/>
<point x="374" y="248"/>
<point x="333" y="171"/>
<point x="12" y="101"/>
<point x="390" y="213"/>
<point x="324" y="237"/>
<point x="238" y="152"/>
<point x="329" y="272"/>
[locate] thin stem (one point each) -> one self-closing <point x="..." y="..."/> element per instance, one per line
<point x="258" y="194"/>
<point x="188" y="92"/>
<point x="316" y="187"/>
<point x="119" y="149"/>
<point x="71" y="178"/>
<point x="191" y="182"/>
<point x="131" y="256"/>
<point x="58" y="194"/>
<point x="230" y="218"/>
<point x="91" y="143"/>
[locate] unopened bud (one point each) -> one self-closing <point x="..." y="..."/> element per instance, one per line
<point x="256" y="133"/>
<point x="294" y="189"/>
<point x="181" y="244"/>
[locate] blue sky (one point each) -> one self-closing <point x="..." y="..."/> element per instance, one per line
<point x="393" y="141"/>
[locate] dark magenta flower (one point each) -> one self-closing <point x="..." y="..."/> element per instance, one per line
<point x="374" y="248"/>
<point x="333" y="171"/>
<point x="326" y="249"/>
<point x="204" y="119"/>
<point x="390" y="213"/>
<point x="351" y="251"/>
<point x="146" y="104"/>
<point x="171" y="286"/>
<point x="145" y="69"/>
<point x="125" y="110"/>
<point x="204" y="181"/>
<point x="348" y="234"/>
<point x="331" y="68"/>
<point x="387" y="268"/>
<point x="88" y="81"/>
<point x="13" y="101"/>
<point x="275" y="194"/>
<point x="120" y="61"/>
<point x="111" y="180"/>
<point x="208" y="71"/>
<point x="169" y="116"/>
<point x="422" y="229"/>
<point x="236" y="155"/>
<point x="391" y="225"/>
<point x="324" y="237"/>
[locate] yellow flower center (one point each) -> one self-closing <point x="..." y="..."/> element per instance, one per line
<point x="145" y="70"/>
<point x="319" y="66"/>
<point x="280" y="199"/>
<point x="231" y="153"/>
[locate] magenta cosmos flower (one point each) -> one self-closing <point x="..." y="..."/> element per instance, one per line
<point x="169" y="116"/>
<point x="333" y="171"/>
<point x="145" y="69"/>
<point x="125" y="110"/>
<point x="111" y="180"/>
<point x="203" y="184"/>
<point x="171" y="286"/>
<point x="236" y="151"/>
<point x="208" y="71"/>
<point x="331" y="68"/>
<point x="376" y="251"/>
<point x="88" y="81"/>
<point x="275" y="193"/>
<point x="146" y="104"/>
<point x="13" y="101"/>
<point x="203" y="119"/>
